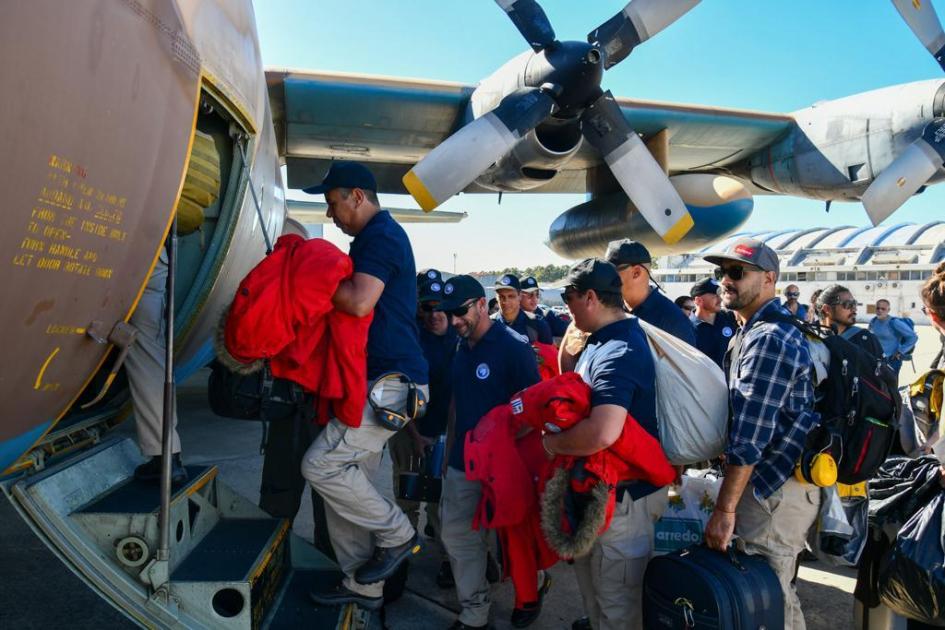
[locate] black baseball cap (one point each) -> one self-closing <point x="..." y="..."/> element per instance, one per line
<point x="458" y="290"/>
<point x="529" y="284"/>
<point x="344" y="174"/>
<point x="508" y="281"/>
<point x="594" y="273"/>
<point x="627" y="252"/>
<point x="704" y="287"/>
<point x="429" y="285"/>
<point x="750" y="251"/>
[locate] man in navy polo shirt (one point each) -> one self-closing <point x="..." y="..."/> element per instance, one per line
<point x="531" y="293"/>
<point x="347" y="466"/>
<point x="617" y="364"/>
<point x="492" y="363"/>
<point x="714" y="327"/>
<point x="633" y="260"/>
<point x="508" y="290"/>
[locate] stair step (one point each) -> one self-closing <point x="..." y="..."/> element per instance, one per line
<point x="236" y="550"/>
<point x="144" y="497"/>
<point x="296" y="610"/>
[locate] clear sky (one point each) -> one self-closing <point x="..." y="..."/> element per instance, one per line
<point x="775" y="56"/>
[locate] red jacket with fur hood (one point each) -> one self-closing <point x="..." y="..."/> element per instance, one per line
<point x="283" y="312"/>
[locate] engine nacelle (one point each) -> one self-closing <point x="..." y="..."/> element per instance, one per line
<point x="719" y="205"/>
<point x="838" y="147"/>
<point x="536" y="158"/>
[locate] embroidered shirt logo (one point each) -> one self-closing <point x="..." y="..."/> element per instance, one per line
<point x="482" y="371"/>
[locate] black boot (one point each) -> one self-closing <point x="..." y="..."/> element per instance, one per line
<point x="385" y="561"/>
<point x="151" y="470"/>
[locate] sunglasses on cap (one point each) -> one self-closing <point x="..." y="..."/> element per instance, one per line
<point x="460" y="310"/>
<point x="735" y="273"/>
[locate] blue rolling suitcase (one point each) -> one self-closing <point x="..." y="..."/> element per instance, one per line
<point x="700" y="588"/>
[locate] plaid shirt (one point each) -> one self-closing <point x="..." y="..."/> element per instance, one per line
<point x="772" y="398"/>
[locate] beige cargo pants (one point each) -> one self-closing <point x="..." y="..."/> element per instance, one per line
<point x="776" y="528"/>
<point x="467" y="549"/>
<point x="145" y="364"/>
<point x="352" y="472"/>
<point x="611" y="575"/>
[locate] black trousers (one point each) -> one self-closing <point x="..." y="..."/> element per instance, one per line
<point x="280" y="493"/>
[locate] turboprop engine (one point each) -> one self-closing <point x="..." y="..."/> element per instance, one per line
<point x="536" y="158"/>
<point x="719" y="205"/>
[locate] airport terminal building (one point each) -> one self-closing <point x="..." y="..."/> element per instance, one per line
<point x="890" y="262"/>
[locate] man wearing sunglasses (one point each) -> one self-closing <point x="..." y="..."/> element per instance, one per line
<point x="616" y="363"/>
<point x="895" y="334"/>
<point x="791" y="295"/>
<point x="347" y="465"/>
<point x="492" y="363"/>
<point x="771" y="398"/>
<point x="836" y="308"/>
<point x="633" y="261"/>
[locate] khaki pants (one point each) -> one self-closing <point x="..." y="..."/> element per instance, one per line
<point x="466" y="548"/>
<point x="776" y="528"/>
<point x="352" y="472"/>
<point x="611" y="575"/>
<point x="145" y="365"/>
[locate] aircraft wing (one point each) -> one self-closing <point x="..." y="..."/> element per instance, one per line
<point x="313" y="212"/>
<point x="391" y="123"/>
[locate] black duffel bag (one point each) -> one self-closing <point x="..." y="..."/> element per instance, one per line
<point x="255" y="396"/>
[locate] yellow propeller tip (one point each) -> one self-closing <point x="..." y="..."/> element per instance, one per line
<point x="419" y="192"/>
<point x="679" y="229"/>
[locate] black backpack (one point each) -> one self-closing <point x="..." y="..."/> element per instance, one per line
<point x="858" y="403"/>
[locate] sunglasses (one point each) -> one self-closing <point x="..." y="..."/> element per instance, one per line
<point x="461" y="310"/>
<point x="792" y="294"/>
<point x="847" y="304"/>
<point x="691" y="309"/>
<point x="428" y="307"/>
<point x="735" y="273"/>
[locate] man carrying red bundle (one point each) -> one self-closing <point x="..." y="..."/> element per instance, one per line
<point x="617" y="365"/>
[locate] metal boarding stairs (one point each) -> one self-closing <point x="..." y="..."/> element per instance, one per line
<point x="230" y="565"/>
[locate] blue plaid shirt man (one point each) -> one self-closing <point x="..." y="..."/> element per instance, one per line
<point x="771" y="393"/>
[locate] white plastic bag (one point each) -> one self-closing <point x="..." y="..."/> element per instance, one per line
<point x="687" y="513"/>
<point x="691" y="399"/>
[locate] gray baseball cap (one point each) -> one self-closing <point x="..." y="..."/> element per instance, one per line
<point x="750" y="251"/>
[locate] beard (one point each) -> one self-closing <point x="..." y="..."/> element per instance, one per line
<point x="734" y="299"/>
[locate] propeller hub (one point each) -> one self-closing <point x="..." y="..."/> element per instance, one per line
<point x="574" y="66"/>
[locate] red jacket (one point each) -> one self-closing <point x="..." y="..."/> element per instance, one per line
<point x="282" y="311"/>
<point x="514" y="474"/>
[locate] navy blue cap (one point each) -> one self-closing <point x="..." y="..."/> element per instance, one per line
<point x="594" y="273"/>
<point x="704" y="287"/>
<point x="429" y="285"/>
<point x="343" y="174"/>
<point x="530" y="284"/>
<point x="458" y="290"/>
<point x="508" y="281"/>
<point x="627" y="252"/>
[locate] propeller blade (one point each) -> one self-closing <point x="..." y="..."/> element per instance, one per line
<point x="921" y="18"/>
<point x="638" y="173"/>
<point x="907" y="173"/>
<point x="460" y="159"/>
<point x="639" y="21"/>
<point x="530" y="20"/>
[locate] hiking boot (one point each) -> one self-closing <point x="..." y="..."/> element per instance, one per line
<point x="339" y="595"/>
<point x="583" y="623"/>
<point x="528" y="614"/>
<point x="151" y="470"/>
<point x="385" y="561"/>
